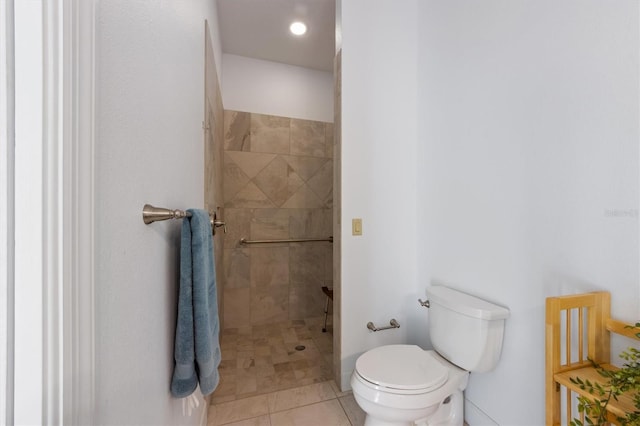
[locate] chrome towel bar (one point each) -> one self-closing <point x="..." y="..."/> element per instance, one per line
<point x="293" y="240"/>
<point x="152" y="214"/>
<point x="392" y="324"/>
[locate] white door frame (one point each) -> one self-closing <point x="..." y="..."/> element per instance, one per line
<point x="68" y="387"/>
<point x="74" y="200"/>
<point x="7" y="106"/>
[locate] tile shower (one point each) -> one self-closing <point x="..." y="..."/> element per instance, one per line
<point x="278" y="184"/>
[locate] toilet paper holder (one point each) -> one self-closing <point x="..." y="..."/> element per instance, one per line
<point x="392" y="324"/>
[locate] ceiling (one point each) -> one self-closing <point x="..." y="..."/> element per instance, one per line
<point x="260" y="29"/>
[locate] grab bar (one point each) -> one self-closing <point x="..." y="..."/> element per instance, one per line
<point x="152" y="214"/>
<point x="292" y="240"/>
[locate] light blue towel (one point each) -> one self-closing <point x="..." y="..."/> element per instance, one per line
<point x="197" y="347"/>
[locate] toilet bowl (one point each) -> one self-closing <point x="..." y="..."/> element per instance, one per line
<point x="402" y="385"/>
<point x="406" y="385"/>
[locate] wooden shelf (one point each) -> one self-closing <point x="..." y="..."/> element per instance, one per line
<point x="578" y="329"/>
<point x="619" y="408"/>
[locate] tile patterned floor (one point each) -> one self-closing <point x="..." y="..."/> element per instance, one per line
<point x="265" y="381"/>
<point x="261" y="359"/>
<point x="316" y="404"/>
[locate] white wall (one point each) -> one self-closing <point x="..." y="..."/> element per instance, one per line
<point x="379" y="182"/>
<point x="492" y="148"/>
<point x="266" y="87"/>
<point x="7" y="205"/>
<point x="529" y="144"/>
<point x="149" y="149"/>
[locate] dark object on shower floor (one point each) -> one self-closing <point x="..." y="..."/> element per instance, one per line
<point x="329" y="292"/>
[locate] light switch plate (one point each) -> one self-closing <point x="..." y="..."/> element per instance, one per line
<point x="356" y="226"/>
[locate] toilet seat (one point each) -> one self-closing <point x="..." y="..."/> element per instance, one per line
<point x="402" y="368"/>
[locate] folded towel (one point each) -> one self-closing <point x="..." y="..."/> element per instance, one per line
<point x="197" y="347"/>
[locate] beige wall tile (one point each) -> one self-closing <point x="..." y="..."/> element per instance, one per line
<point x="266" y="197"/>
<point x="250" y="197"/>
<point x="234" y="178"/>
<point x="308" y="223"/>
<point x="251" y="163"/>
<point x="278" y="181"/>
<point x="328" y="138"/>
<point x="304" y="198"/>
<point x="237" y="134"/>
<point x="268" y="224"/>
<point x="269" y="134"/>
<point x="307" y="263"/>
<point x="238" y="226"/>
<point x="210" y="158"/>
<point x="328" y="221"/>
<point x="269" y="266"/>
<point x="306" y="167"/>
<point x="237" y="268"/>
<point x="328" y="263"/>
<point x="322" y="183"/>
<point x="307" y="138"/>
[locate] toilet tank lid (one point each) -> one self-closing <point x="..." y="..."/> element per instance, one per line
<point x="465" y="303"/>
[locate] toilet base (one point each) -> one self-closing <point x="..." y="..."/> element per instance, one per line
<point x="370" y="421"/>
<point x="450" y="413"/>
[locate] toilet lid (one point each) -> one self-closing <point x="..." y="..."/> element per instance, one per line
<point x="402" y="367"/>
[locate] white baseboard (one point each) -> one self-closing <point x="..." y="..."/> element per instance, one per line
<point x="205" y="413"/>
<point x="346" y="382"/>
<point x="476" y="417"/>
<point x="206" y="400"/>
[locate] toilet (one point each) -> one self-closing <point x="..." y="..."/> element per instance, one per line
<point x="405" y="385"/>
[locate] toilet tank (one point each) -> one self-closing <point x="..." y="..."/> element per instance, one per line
<point x="464" y="329"/>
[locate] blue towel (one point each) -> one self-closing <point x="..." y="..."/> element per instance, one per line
<point x="197" y="347"/>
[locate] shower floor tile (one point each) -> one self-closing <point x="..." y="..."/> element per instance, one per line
<point x="263" y="358"/>
<point x="316" y="404"/>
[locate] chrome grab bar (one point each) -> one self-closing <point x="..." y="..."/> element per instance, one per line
<point x="292" y="240"/>
<point x="392" y="324"/>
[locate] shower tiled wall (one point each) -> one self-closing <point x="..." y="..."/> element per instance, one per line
<point x="278" y="184"/>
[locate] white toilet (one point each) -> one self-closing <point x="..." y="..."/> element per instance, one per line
<point x="406" y="385"/>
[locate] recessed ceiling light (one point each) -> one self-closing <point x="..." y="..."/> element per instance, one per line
<point x="298" y="28"/>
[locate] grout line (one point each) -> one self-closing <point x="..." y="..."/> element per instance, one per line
<point x="269" y="412"/>
<point x="304" y="405"/>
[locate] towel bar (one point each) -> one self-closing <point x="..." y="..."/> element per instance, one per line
<point x="152" y="214"/>
<point x="392" y="324"/>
